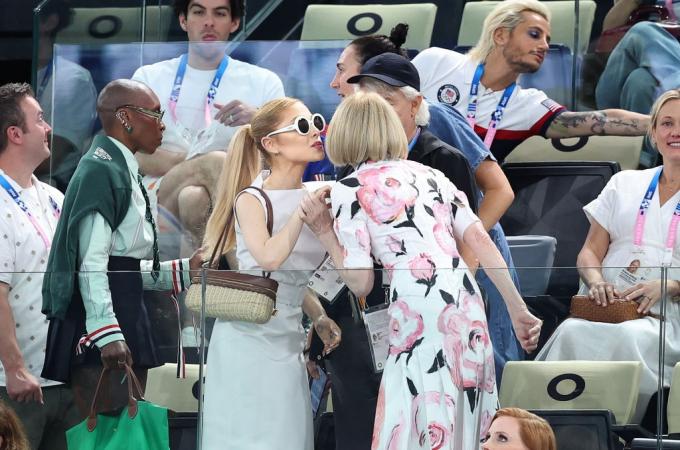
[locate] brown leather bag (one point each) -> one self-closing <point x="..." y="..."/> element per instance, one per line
<point x="582" y="307"/>
<point x="231" y="295"/>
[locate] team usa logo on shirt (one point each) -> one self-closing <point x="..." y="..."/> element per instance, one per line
<point x="448" y="94"/>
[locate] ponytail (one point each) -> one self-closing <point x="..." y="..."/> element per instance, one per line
<point x="242" y="164"/>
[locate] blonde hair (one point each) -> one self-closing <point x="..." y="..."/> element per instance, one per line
<point x="535" y="431"/>
<point x="507" y="14"/>
<point x="673" y="94"/>
<point x="365" y="127"/>
<point x="241" y="166"/>
<point x="374" y="85"/>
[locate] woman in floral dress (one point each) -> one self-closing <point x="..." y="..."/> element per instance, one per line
<point x="438" y="389"/>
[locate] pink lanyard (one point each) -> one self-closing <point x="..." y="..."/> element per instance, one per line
<point x="642" y="217"/>
<point x="210" y="98"/>
<point x="20" y="203"/>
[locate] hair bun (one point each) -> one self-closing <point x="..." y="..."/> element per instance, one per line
<point x="398" y="34"/>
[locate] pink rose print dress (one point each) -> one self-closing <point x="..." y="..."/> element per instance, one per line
<point x="438" y="388"/>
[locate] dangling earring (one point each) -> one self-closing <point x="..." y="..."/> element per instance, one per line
<point x="126" y="126"/>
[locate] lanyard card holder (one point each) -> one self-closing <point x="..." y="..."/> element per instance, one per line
<point x="326" y="281"/>
<point x="377" y="322"/>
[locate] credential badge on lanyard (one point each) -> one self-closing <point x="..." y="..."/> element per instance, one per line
<point x="377" y="323"/>
<point x="20" y="203"/>
<point x="212" y="91"/>
<point x="496" y="116"/>
<point x="326" y="281"/>
<point x="642" y="217"/>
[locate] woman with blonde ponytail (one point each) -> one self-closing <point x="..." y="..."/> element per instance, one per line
<point x="257" y="395"/>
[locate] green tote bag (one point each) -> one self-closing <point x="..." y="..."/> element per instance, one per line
<point x="141" y="425"/>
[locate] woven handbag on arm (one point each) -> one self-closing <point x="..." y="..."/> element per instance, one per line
<point x="582" y="307"/>
<point x="234" y="296"/>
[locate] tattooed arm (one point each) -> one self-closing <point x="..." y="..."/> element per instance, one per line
<point x="611" y="122"/>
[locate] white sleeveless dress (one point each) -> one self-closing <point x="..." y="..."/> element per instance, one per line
<point x="257" y="393"/>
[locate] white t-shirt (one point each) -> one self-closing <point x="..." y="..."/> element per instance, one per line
<point x="23" y="261"/>
<point x="446" y="76"/>
<point x="250" y="84"/>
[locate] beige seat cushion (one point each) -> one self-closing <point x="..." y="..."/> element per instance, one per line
<point x="624" y="149"/>
<point x="338" y="22"/>
<point x="612" y="385"/>
<point x="165" y="389"/>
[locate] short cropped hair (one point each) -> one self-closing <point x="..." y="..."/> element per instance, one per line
<point x="673" y="94"/>
<point x="507" y="14"/>
<point x="11" y="115"/>
<point x="238" y="8"/>
<point x="365" y="127"/>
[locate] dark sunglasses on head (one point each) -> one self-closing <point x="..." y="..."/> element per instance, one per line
<point x="302" y="125"/>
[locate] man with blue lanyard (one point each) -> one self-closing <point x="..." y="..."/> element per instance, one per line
<point x="482" y="84"/>
<point x="30" y="210"/>
<point x="207" y="95"/>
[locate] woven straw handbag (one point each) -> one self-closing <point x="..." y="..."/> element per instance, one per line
<point x="582" y="307"/>
<point x="231" y="295"/>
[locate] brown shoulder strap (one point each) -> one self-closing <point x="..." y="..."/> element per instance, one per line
<point x="223" y="237"/>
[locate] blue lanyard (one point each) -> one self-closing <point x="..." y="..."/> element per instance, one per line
<point x="642" y="216"/>
<point x="496" y="116"/>
<point x="20" y="203"/>
<point x="414" y="140"/>
<point x="212" y="91"/>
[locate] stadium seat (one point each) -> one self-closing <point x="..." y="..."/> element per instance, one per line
<point x="165" y="389"/>
<point x="624" y="149"/>
<point x="563" y="22"/>
<point x="567" y="385"/>
<point x="533" y="257"/>
<point x="674" y="402"/>
<point x="98" y="25"/>
<point x="549" y="200"/>
<point x="580" y="429"/>
<point x="333" y="22"/>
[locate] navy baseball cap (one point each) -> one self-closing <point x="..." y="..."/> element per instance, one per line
<point x="392" y="69"/>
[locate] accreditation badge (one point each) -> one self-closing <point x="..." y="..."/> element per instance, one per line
<point x="326" y="281"/>
<point x="377" y="322"/>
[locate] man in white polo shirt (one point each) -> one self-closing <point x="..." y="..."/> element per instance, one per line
<point x="30" y="210"/>
<point x="482" y="84"/>
<point x="207" y="95"/>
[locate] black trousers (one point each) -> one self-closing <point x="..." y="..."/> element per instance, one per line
<point x="355" y="387"/>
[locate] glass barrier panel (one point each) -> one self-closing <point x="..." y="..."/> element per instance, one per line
<point x="302" y="70"/>
<point x="435" y="336"/>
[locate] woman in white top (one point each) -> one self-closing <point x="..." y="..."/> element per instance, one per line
<point x="622" y="256"/>
<point x="257" y="394"/>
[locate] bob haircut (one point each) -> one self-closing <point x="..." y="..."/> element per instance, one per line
<point x="507" y="14"/>
<point x="535" y="431"/>
<point x="365" y="128"/>
<point x="673" y="94"/>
